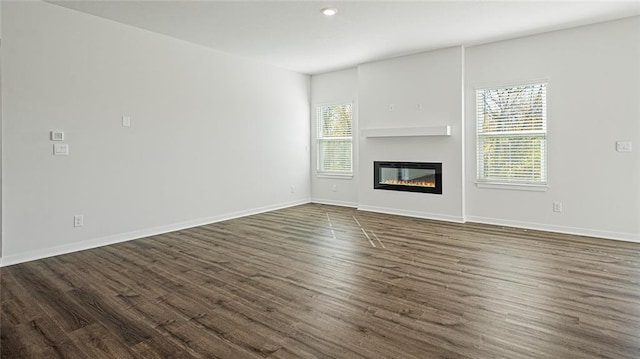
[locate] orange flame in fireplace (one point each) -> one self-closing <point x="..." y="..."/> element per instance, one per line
<point x="410" y="183"/>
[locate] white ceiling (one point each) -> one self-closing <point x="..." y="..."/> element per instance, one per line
<point x="294" y="34"/>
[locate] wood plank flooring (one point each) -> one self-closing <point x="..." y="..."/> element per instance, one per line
<point x="318" y="281"/>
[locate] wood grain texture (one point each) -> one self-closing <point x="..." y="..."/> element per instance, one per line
<point x="317" y="281"/>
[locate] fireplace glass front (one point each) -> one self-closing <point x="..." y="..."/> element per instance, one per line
<point x="423" y="177"/>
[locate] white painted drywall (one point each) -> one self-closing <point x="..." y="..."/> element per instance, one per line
<point x="334" y="88"/>
<point x="212" y="136"/>
<point x="1" y="186"/>
<point x="432" y="80"/>
<point x="593" y="101"/>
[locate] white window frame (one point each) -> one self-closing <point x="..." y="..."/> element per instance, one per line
<point x="318" y="139"/>
<point x="511" y="182"/>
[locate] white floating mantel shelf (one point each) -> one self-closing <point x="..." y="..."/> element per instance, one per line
<point x="407" y="132"/>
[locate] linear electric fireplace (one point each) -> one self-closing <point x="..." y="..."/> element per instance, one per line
<point x="422" y="177"/>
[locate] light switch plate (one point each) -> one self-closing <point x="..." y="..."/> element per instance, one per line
<point x="57" y="136"/>
<point x="126" y="121"/>
<point x="60" y="149"/>
<point x="623" y="146"/>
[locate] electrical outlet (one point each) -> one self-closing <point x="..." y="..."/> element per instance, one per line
<point x="334" y="188"/>
<point x="557" y="207"/>
<point x="78" y="220"/>
<point x="293" y="189"/>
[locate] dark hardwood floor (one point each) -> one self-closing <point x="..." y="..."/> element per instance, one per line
<point x="318" y="281"/>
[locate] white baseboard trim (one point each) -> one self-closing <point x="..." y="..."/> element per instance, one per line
<point x="416" y="214"/>
<point x="124" y="237"/>
<point x="334" y="203"/>
<point x="620" y="236"/>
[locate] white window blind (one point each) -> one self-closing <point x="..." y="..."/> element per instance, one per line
<point x="334" y="139"/>
<point x="511" y="134"/>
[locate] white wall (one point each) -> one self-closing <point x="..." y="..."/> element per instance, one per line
<point x="1" y="177"/>
<point x="593" y="101"/>
<point x="433" y="80"/>
<point x="207" y="125"/>
<point x="212" y="136"/>
<point x="334" y="88"/>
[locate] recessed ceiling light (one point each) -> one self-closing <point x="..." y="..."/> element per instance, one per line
<point x="329" y="11"/>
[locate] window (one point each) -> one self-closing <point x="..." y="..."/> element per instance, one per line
<point x="334" y="139"/>
<point x="511" y="134"/>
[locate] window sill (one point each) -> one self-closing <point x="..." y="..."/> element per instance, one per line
<point x="335" y="176"/>
<point x="513" y="186"/>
